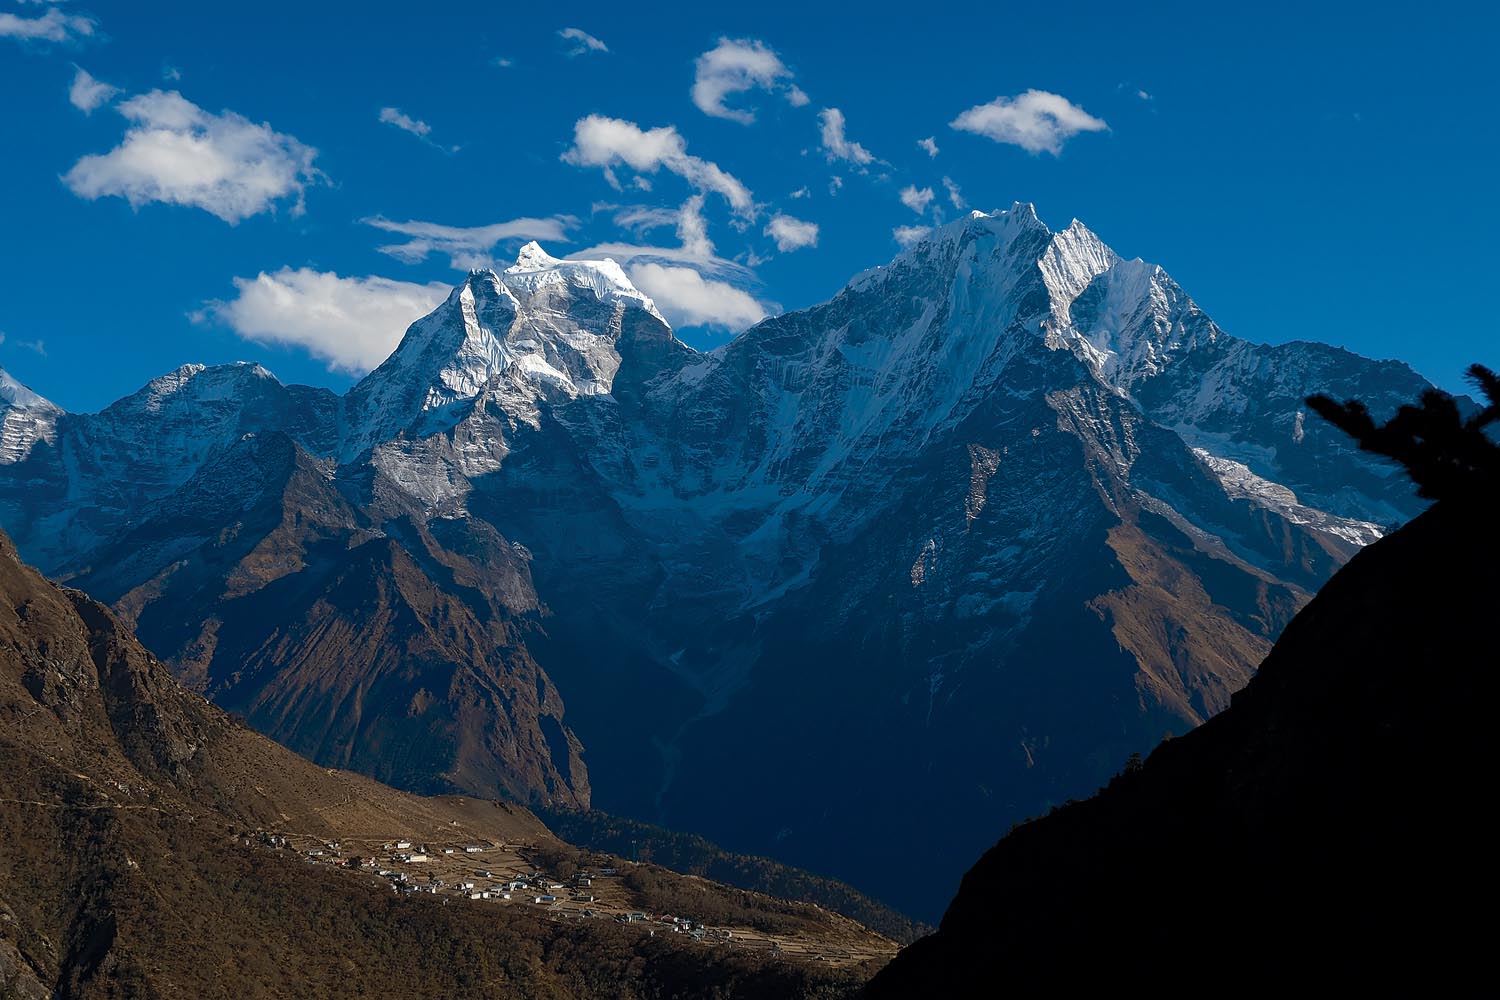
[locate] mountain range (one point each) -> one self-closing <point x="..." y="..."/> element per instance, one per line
<point x="965" y="536"/>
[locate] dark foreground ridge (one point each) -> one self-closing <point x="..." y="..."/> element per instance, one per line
<point x="1328" y="824"/>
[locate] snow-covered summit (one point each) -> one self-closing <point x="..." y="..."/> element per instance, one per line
<point x="14" y="394"/>
<point x="25" y="418"/>
<point x="553" y="327"/>
<point x="193" y="384"/>
<point x="1074" y="258"/>
<point x="948" y="240"/>
<point x="536" y="271"/>
<point x="1133" y="320"/>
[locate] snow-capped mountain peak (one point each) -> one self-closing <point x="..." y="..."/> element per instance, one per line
<point x="537" y="272"/>
<point x="1074" y="257"/>
<point x="193" y="384"/>
<point x="1002" y="228"/>
<point x="532" y="257"/>
<point x="553" y="327"/>
<point x="1133" y="319"/>
<point x="25" y="418"/>
<point x="14" y="394"/>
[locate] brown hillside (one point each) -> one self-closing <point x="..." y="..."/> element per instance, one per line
<point x="151" y="846"/>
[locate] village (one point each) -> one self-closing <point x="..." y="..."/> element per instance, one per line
<point x="483" y="872"/>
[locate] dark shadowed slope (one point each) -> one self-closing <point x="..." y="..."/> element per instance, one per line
<point x="1329" y="826"/>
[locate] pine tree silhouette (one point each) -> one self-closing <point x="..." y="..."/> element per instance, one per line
<point x="1445" y="455"/>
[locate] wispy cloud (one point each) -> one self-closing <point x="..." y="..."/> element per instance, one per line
<point x="836" y="145"/>
<point x="643" y="219"/>
<point x="955" y="197"/>
<point x="403" y="121"/>
<point x="52" y="26"/>
<point x="929" y="145"/>
<point x="38" y="347"/>
<point x="694" y="246"/>
<point x="606" y="143"/>
<point x="908" y="235"/>
<point x="916" y="199"/>
<point x="87" y="93"/>
<point x="176" y="153"/>
<point x="735" y="66"/>
<point x="351" y="323"/>
<point x="1037" y="121"/>
<point x="468" y="246"/>
<point x="792" y="234"/>
<point x="583" y="42"/>
<point x="423" y="131"/>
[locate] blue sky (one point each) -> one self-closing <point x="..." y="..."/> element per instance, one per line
<point x="1305" y="171"/>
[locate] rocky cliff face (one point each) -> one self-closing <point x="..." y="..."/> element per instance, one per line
<point x="990" y="519"/>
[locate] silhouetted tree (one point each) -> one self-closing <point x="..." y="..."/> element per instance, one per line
<point x="1444" y="454"/>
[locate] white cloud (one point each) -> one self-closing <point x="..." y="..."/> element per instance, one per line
<point x="835" y="184"/>
<point x="1037" y="121"/>
<point x="644" y="218"/>
<point x="687" y="298"/>
<point x="687" y="282"/>
<point x="177" y="153"/>
<point x="801" y="192"/>
<point x="692" y="229"/>
<point x="607" y="142"/>
<point x="735" y="66"/>
<point x="929" y="144"/>
<point x="792" y="234"/>
<point x="907" y="235"/>
<point x="623" y="253"/>
<point x="353" y="324"/>
<point x="396" y="117"/>
<point x="53" y="26"/>
<point x="916" y="200"/>
<point x="797" y="97"/>
<point x="954" y="196"/>
<point x="87" y="94"/>
<point x="171" y="74"/>
<point x="836" y="146"/>
<point x="38" y="346"/>
<point x="467" y="246"/>
<point x="695" y="248"/>
<point x="502" y="62"/>
<point x="417" y="127"/>
<point x="584" y="42"/>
